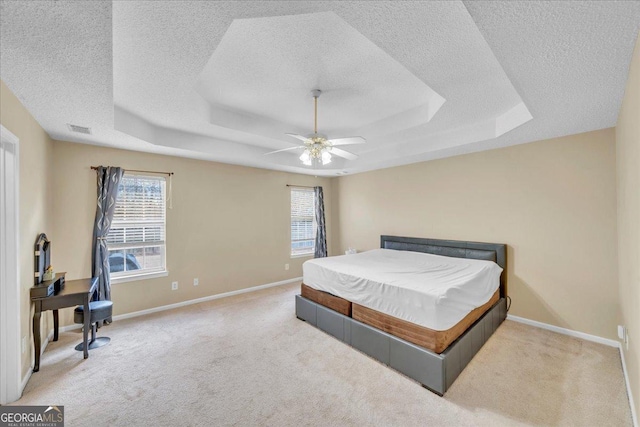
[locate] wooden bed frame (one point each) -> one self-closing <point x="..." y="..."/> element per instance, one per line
<point x="434" y="358"/>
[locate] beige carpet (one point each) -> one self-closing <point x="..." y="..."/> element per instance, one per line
<point x="247" y="360"/>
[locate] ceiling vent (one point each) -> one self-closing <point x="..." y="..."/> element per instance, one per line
<point x="79" y="129"/>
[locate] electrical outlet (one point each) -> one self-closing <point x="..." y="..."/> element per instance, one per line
<point x="174" y="286"/>
<point x="286" y="266"/>
<point x="196" y="282"/>
<point x="24" y="344"/>
<point x="621" y="332"/>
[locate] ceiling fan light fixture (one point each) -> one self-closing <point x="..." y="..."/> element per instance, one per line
<point x="326" y="157"/>
<point x="306" y="159"/>
<point x="317" y="146"/>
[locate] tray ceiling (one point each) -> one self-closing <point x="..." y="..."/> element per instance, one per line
<point x="224" y="81"/>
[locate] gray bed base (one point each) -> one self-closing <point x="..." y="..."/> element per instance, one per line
<point x="436" y="372"/>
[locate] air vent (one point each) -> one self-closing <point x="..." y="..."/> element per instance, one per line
<point x="79" y="129"/>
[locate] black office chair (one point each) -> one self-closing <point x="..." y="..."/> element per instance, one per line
<point x="99" y="311"/>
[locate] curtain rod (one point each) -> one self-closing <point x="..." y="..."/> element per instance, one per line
<point x="299" y="186"/>
<point x="134" y="170"/>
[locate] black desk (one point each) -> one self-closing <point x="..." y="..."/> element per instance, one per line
<point x="75" y="292"/>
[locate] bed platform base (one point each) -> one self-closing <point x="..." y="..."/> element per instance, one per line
<point x="436" y="341"/>
<point x="436" y="372"/>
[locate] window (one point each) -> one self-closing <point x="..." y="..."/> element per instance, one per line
<point x="303" y="222"/>
<point x="136" y="239"/>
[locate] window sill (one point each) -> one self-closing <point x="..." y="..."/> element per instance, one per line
<point x="137" y="277"/>
<point x="302" y="256"/>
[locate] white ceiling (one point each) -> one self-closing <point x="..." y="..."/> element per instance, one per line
<point x="225" y="80"/>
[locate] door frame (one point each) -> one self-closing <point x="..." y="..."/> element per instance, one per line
<point x="10" y="303"/>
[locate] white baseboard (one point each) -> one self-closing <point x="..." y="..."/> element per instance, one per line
<point x="564" y="331"/>
<point x="70" y="327"/>
<point x="27" y="376"/>
<point x="634" y="416"/>
<point x="587" y="337"/>
<point x="203" y="299"/>
<point x="25" y="380"/>
<point x="188" y="302"/>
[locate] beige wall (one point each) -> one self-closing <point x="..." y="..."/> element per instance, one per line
<point x="229" y="225"/>
<point x="36" y="149"/>
<point x="628" y="171"/>
<point x="552" y="202"/>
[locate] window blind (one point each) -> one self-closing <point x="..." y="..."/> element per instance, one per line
<point x="302" y="221"/>
<point x="136" y="240"/>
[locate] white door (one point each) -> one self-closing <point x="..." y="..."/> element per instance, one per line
<point x="10" y="375"/>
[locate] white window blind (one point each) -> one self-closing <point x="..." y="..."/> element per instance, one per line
<point x="136" y="240"/>
<point x="303" y="224"/>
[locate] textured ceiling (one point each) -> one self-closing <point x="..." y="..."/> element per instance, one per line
<point x="224" y="80"/>
<point x="266" y="68"/>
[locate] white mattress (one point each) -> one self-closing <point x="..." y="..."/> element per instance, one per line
<point x="430" y="290"/>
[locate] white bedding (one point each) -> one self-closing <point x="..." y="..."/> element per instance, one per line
<point x="430" y="290"/>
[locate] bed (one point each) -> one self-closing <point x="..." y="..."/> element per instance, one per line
<point x="358" y="303"/>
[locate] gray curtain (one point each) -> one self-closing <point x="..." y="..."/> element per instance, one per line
<point x="321" y="232"/>
<point x="108" y="182"/>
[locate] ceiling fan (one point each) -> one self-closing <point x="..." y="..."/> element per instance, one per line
<point x="317" y="148"/>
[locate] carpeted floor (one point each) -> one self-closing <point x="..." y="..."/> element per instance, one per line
<point x="247" y="360"/>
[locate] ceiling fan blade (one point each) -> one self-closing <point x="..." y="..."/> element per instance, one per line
<point x="348" y="140"/>
<point x="341" y="153"/>
<point x="285" y="149"/>
<point x="300" y="137"/>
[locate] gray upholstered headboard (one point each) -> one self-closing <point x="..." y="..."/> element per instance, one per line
<point x="495" y="252"/>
